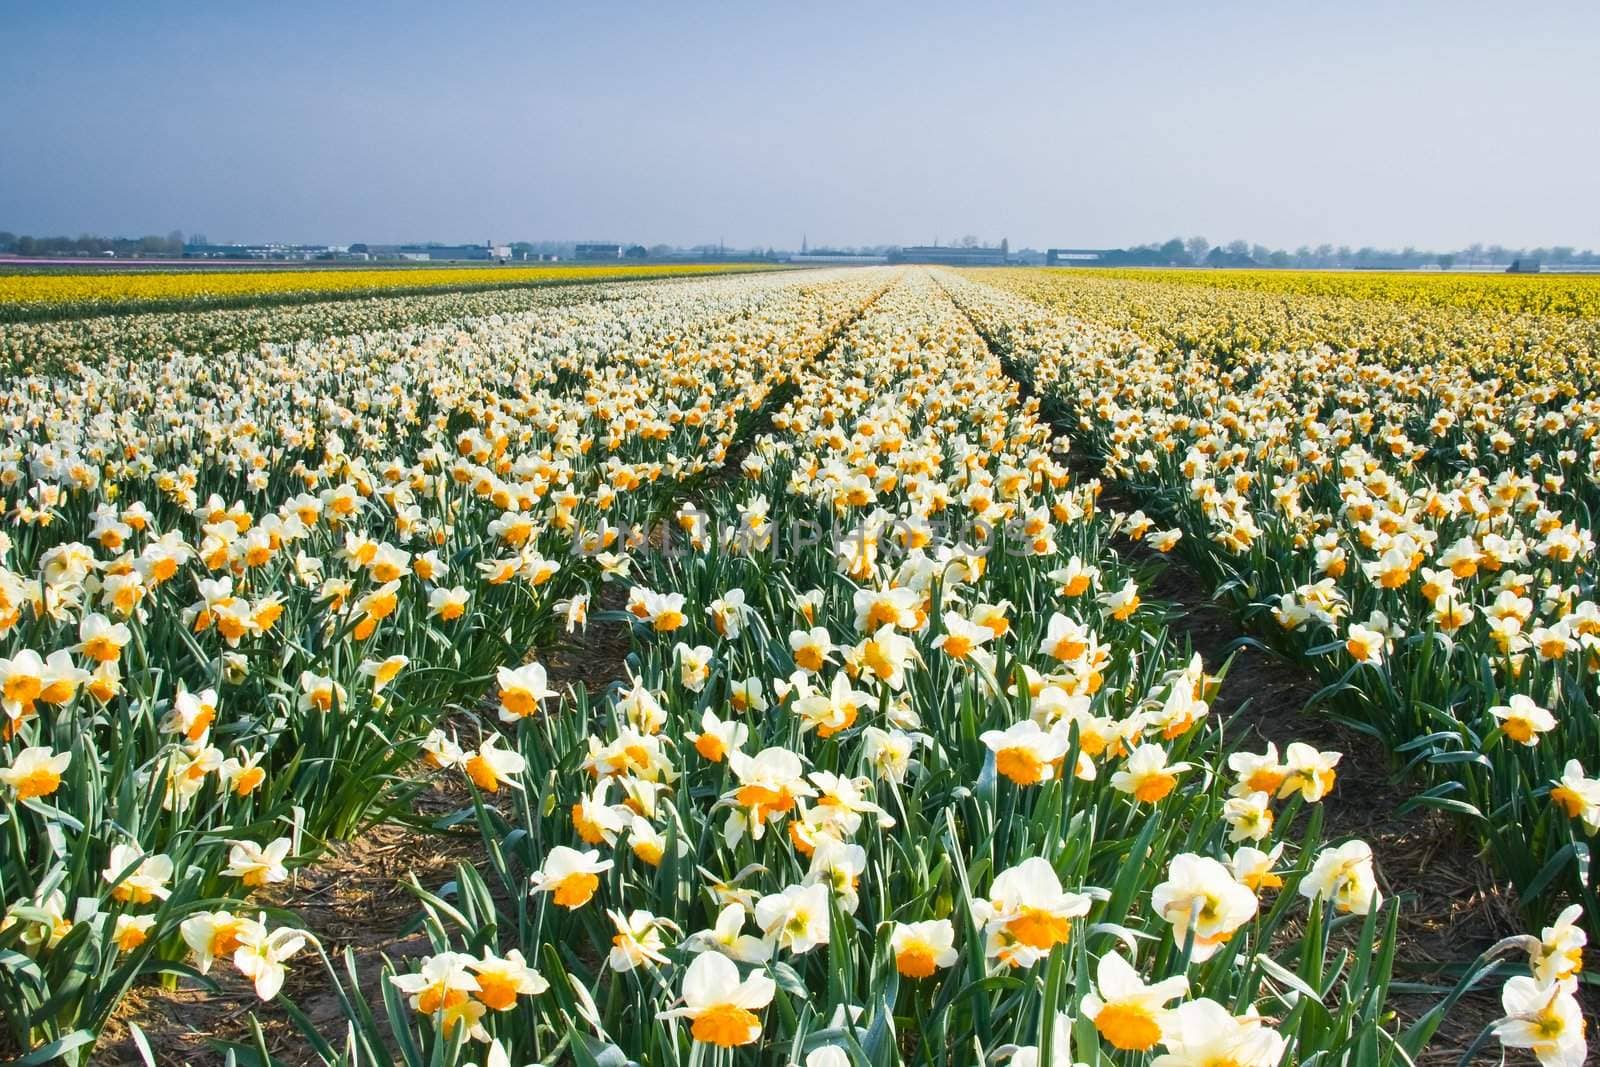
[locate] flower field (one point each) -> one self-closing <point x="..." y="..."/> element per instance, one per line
<point x="52" y="295"/>
<point x="906" y="761"/>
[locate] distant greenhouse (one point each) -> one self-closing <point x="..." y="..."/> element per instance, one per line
<point x="953" y="255"/>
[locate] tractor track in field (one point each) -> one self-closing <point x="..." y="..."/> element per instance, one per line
<point x="1453" y="908"/>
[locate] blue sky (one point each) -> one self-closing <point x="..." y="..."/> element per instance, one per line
<point x="1430" y="124"/>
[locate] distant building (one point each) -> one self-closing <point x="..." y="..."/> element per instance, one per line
<point x="841" y="258"/>
<point x="1523" y="266"/>
<point x="431" y="252"/>
<point x="597" y="251"/>
<point x="950" y="255"/>
<point x="1070" y="257"/>
<point x="297" y="253"/>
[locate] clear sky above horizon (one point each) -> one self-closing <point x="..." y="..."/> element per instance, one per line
<point x="1429" y="124"/>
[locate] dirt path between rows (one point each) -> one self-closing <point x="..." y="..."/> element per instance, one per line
<point x="1452" y="909"/>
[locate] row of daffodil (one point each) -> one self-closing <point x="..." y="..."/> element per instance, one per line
<point x="905" y="769"/>
<point x="237" y="589"/>
<point x="1424" y="545"/>
<point x="64" y="345"/>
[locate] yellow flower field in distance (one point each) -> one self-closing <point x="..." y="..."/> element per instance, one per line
<point x="1573" y="295"/>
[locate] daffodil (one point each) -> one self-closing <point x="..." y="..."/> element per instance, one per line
<point x="1024" y="753"/>
<point x="1203" y="1033"/>
<point x="1560" y="949"/>
<point x="137" y="878"/>
<point x="1522" y="720"/>
<point x="216" y="935"/>
<point x="1577" y="795"/>
<point x="1203" y="903"/>
<point x="720" y="1006"/>
<point x="1126" y="1011"/>
<point x="502" y="979"/>
<point x="261" y="954"/>
<point x="1146" y="775"/>
<point x="727" y="937"/>
<point x="1344" y="876"/>
<point x="1545" y="1018"/>
<point x="1027" y="913"/>
<point x="923" y="948"/>
<point x="569" y="876"/>
<point x="491" y="766"/>
<point x="256" y="866"/>
<point x="796" y="919"/>
<point x="523" y="691"/>
<point x="35" y="772"/>
<point x="637" y="943"/>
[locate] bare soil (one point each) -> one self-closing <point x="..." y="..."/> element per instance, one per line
<point x="354" y="898"/>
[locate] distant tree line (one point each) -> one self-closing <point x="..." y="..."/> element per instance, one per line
<point x="1178" y="252"/>
<point x="90" y="245"/>
<point x="1198" y="252"/>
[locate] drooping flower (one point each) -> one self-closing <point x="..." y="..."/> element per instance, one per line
<point x="1545" y="1018"/>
